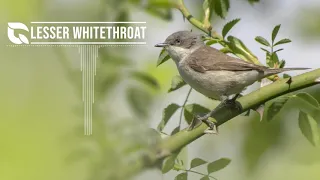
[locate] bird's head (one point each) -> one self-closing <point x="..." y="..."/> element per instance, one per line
<point x="180" y="44"/>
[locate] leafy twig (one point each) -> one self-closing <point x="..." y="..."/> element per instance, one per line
<point x="188" y="170"/>
<point x="185" y="12"/>
<point x="204" y="27"/>
<point x="183" y="105"/>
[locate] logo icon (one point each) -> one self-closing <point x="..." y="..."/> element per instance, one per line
<point x="17" y="40"/>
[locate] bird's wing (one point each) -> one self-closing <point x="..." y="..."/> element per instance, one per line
<point x="215" y="60"/>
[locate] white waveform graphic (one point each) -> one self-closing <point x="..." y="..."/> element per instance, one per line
<point x="88" y="56"/>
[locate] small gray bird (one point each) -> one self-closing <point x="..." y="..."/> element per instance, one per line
<point x="211" y="72"/>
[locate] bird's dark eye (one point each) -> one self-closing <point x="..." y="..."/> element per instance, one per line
<point x="177" y="41"/>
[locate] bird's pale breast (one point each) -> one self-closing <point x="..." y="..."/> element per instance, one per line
<point x="215" y="84"/>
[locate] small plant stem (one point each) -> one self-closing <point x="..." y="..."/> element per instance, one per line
<point x="188" y="170"/>
<point x="182" y="107"/>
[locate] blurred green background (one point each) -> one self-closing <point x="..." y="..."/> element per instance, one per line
<point x="41" y="119"/>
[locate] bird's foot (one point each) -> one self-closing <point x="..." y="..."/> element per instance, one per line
<point x="194" y="123"/>
<point x="212" y="128"/>
<point x="212" y="131"/>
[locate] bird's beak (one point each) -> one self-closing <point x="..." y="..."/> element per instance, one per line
<point x="161" y="45"/>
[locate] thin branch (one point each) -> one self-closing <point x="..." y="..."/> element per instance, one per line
<point x="183" y="105"/>
<point x="247" y="102"/>
<point x="174" y="143"/>
<point x="206" y="20"/>
<point x="188" y="170"/>
<point x="181" y="6"/>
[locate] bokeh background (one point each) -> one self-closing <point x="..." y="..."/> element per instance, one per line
<point x="41" y="113"/>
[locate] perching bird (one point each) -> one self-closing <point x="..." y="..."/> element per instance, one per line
<point x="211" y="72"/>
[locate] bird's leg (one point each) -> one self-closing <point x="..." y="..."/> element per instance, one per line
<point x="212" y="128"/>
<point x="232" y="102"/>
<point x="225" y="102"/>
<point x="194" y="123"/>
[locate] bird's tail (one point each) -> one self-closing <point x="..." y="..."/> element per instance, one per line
<point x="273" y="71"/>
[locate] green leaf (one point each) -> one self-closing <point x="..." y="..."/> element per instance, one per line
<point x="268" y="59"/>
<point x="167" y="114"/>
<point x="192" y="110"/>
<point x="176" y="83"/>
<point x="238" y="45"/>
<point x="175" y="130"/>
<point x="145" y="78"/>
<point x="282" y="41"/>
<point x="220" y="7"/>
<point x="206" y="4"/>
<point x="211" y="4"/>
<point x="163" y="57"/>
<point x="262" y="41"/>
<point x="212" y="41"/>
<point x="309" y="128"/>
<point x="229" y="26"/>
<point x="205" y="178"/>
<point x="139" y="100"/>
<point x="225" y="50"/>
<point x="265" y="50"/>
<point x="182" y="176"/>
<point x="239" y="49"/>
<point x="274" y="57"/>
<point x="183" y="157"/>
<point x="282" y="63"/>
<point x="273" y="108"/>
<point x="218" y="165"/>
<point x="308" y="98"/>
<point x="275" y="32"/>
<point x="178" y="167"/>
<point x="307" y="106"/>
<point x="286" y="75"/>
<point x="197" y="162"/>
<point x="274" y="60"/>
<point x="278" y="50"/>
<point x="168" y="163"/>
